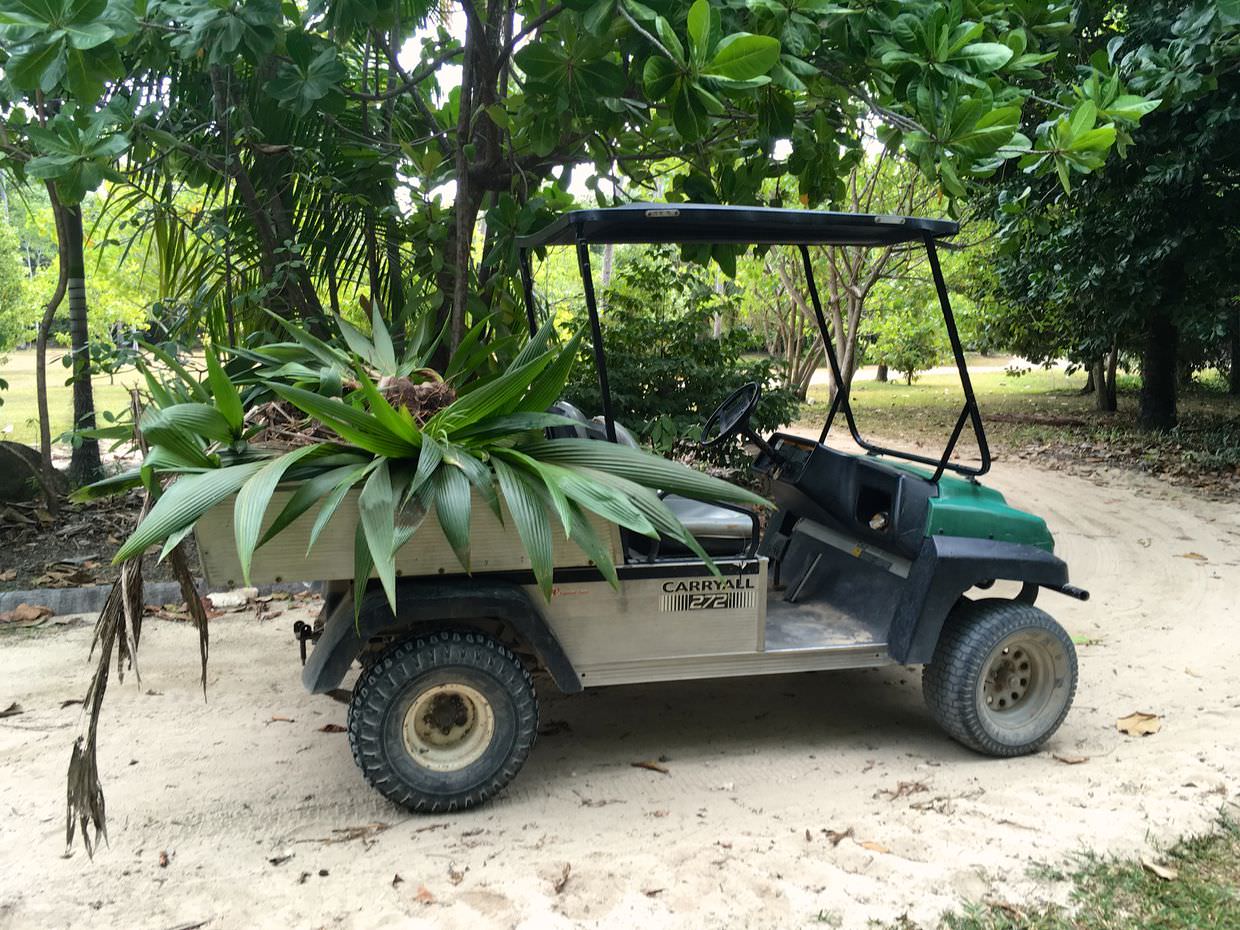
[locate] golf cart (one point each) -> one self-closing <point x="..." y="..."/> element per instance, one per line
<point x="866" y="562"/>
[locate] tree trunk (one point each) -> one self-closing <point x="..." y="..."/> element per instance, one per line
<point x="1090" y="381"/>
<point x="1233" y="382"/>
<point x="85" y="465"/>
<point x="1098" y="378"/>
<point x="1158" y="373"/>
<point x="881" y="374"/>
<point x="45" y="326"/>
<point x="1109" y="384"/>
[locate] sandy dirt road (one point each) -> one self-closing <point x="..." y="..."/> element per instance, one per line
<point x="732" y="837"/>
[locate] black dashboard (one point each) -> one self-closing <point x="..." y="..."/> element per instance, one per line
<point x="858" y="495"/>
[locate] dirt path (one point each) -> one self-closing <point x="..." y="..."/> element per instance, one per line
<point x="732" y="837"/>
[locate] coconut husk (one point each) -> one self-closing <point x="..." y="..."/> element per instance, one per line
<point x="423" y="400"/>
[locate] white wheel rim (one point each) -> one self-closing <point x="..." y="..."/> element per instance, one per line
<point x="448" y="727"/>
<point x="1019" y="683"/>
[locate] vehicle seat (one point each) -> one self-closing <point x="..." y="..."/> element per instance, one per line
<point x="719" y="530"/>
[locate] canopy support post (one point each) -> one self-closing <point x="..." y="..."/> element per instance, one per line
<point x="970" y="411"/>
<point x="527" y="287"/>
<point x="596" y="334"/>
<point x="840" y="401"/>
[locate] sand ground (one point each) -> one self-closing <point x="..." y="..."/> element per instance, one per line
<point x="264" y="821"/>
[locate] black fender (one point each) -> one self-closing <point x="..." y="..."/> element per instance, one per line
<point x="422" y="603"/>
<point x="946" y="567"/>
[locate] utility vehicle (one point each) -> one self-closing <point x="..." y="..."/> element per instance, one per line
<point x="868" y="561"/>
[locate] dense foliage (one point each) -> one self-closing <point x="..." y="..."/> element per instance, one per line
<point x="1139" y="258"/>
<point x="666" y="367"/>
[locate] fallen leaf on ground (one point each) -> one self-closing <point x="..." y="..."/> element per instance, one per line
<point x="1166" y="873"/>
<point x="652" y="765"/>
<point x="1139" y="723"/>
<point x="163" y="859"/>
<point x="70" y="702"/>
<point x="424" y="895"/>
<point x="12" y="710"/>
<point x="560" y="882"/>
<point x="364" y="832"/>
<point x="26" y="613"/>
<point x="277" y="719"/>
<point x="280" y="860"/>
<point x="455" y="875"/>
<point x="873" y="846"/>
<point x="1070" y="760"/>
<point x="332" y="728"/>
<point x="835" y="837"/>
<point x="396" y="879"/>
<point x="1195" y="556"/>
<point x="651" y="892"/>
<point x="901" y="790"/>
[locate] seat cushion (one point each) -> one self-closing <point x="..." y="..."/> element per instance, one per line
<point x="708" y="520"/>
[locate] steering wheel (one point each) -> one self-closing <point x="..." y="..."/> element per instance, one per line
<point x="732" y="416"/>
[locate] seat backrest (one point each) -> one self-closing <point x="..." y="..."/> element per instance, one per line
<point x="565" y="409"/>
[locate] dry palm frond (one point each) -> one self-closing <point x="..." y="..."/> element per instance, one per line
<point x="283" y="426"/>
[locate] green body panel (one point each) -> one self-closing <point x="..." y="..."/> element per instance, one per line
<point x="966" y="508"/>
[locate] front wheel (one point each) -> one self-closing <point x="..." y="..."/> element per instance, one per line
<point x="444" y="721"/>
<point x="1002" y="677"/>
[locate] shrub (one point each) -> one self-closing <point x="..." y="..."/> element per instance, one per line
<point x="666" y="371"/>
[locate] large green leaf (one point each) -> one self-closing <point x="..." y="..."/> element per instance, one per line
<point x="332" y="501"/>
<point x="497" y="396"/>
<point x="742" y="56"/>
<point x="193" y="419"/>
<point x="641" y="467"/>
<point x="253" y="499"/>
<point x="311" y="491"/>
<point x="377" y="515"/>
<point x="984" y="57"/>
<point x="529" y="515"/>
<point x="227" y="398"/>
<point x="354" y="426"/>
<point x="450" y="488"/>
<point x="182" y="503"/>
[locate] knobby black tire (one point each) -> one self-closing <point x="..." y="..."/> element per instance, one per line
<point x="394" y="677"/>
<point x="950" y="682"/>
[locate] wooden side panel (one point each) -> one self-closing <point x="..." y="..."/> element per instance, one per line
<point x="493" y="546"/>
<point x="656" y="618"/>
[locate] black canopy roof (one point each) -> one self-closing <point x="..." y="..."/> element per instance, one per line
<point x="703" y="222"/>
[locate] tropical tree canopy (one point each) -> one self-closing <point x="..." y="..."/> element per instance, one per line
<point x="293" y="157"/>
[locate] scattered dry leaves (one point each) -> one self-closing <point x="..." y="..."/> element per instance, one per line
<point x="835" y="837"/>
<point x="12" y="710"/>
<point x="874" y="846"/>
<point x="1069" y="760"/>
<point x="652" y="765"/>
<point x="26" y="613"/>
<point x="1139" y="723"/>
<point x="455" y="875"/>
<point x="1195" y="556"/>
<point x="332" y="728"/>
<point x="901" y="790"/>
<point x="560" y="883"/>
<point x="1166" y="873"/>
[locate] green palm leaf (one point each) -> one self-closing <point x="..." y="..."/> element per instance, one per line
<point x="253" y="500"/>
<point x="450" y="489"/>
<point x="354" y="426"/>
<point x="640" y="467"/>
<point x="182" y="503"/>
<point x="529" y="515"/>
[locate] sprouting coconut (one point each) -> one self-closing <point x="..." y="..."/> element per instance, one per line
<point x="422" y="399"/>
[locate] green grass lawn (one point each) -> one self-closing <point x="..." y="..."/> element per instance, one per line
<point x="20" y="411"/>
<point x="1044" y="412"/>
<point x="1200" y="892"/>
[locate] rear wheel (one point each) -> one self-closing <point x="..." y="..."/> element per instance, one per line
<point x="1002" y="677"/>
<point x="443" y="721"/>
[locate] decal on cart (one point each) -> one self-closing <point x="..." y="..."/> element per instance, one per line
<point x="708" y="594"/>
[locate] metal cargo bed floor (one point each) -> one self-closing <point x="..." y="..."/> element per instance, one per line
<point x="792" y="627"/>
